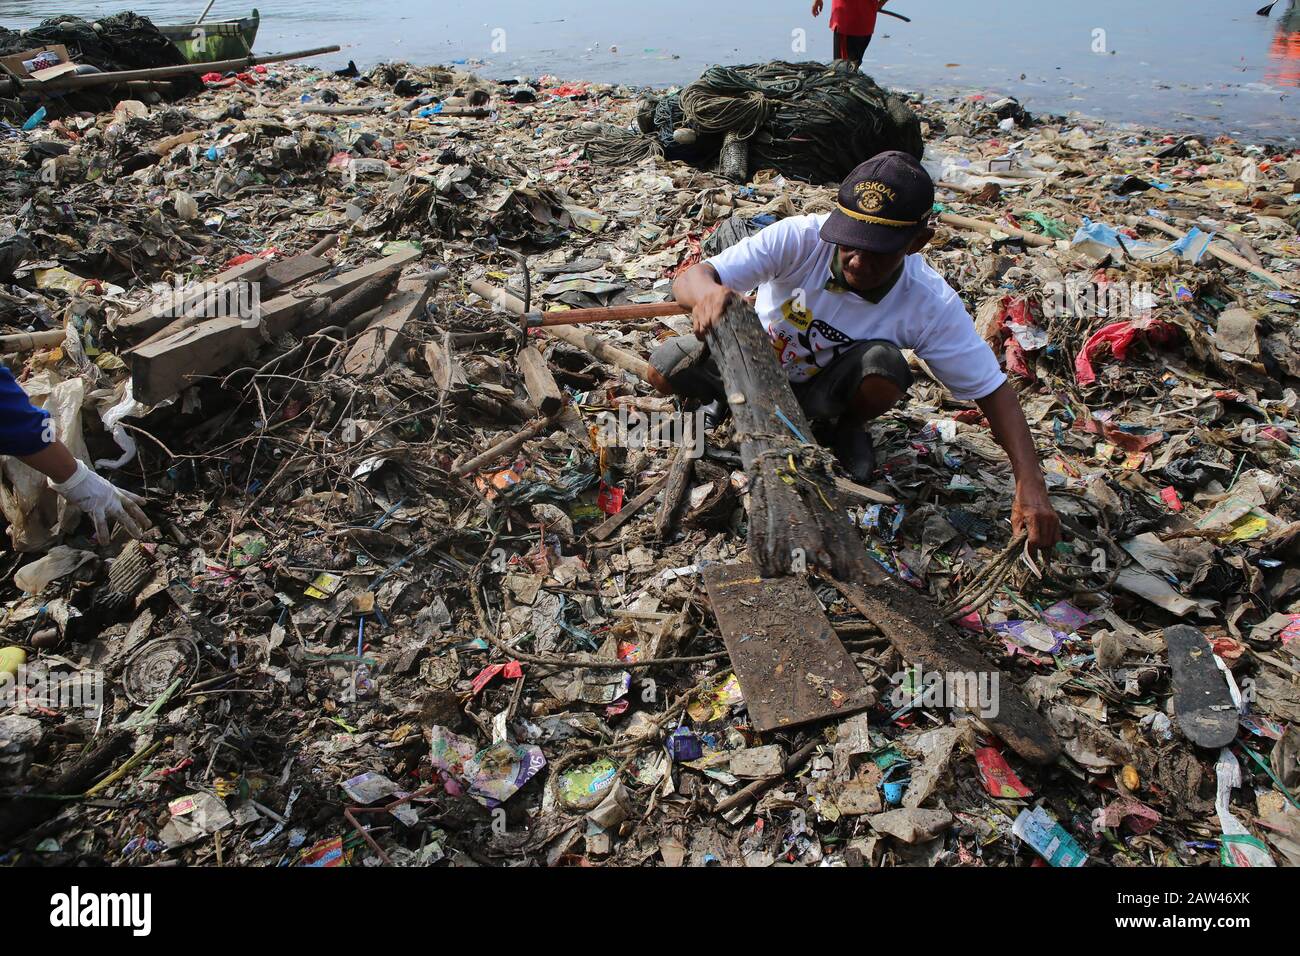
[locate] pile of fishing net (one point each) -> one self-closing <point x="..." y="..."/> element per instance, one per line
<point x="605" y="144"/>
<point x="123" y="41"/>
<point x="809" y="121"/>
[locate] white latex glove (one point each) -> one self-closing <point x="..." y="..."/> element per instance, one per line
<point x="101" y="499"/>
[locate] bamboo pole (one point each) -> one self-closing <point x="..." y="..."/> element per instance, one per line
<point x="1220" y="253"/>
<point x="979" y="225"/>
<point x="27" y="341"/>
<point x="72" y="83"/>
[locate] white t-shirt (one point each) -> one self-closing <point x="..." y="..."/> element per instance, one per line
<point x="789" y="263"/>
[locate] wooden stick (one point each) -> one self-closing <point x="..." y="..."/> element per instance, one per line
<point x="136" y="759"/>
<point x="474" y="112"/>
<point x="27" y="341"/>
<point x="336" y="109"/>
<point x="1220" y="253"/>
<point x="70" y="83"/>
<point x="979" y="225"/>
<point x="611" y="524"/>
<point x="751" y="792"/>
<point x="613" y="313"/>
<point x="861" y="491"/>
<point x="679" y="479"/>
<point x="325" y="245"/>
<point x="503" y="447"/>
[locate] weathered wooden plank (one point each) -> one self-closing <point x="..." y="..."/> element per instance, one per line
<point x="376" y="346"/>
<point x="173" y="304"/>
<point x="446" y="370"/>
<point x="795" y="518"/>
<point x="679" y="479"/>
<point x="161" y="369"/>
<point x="336" y="286"/>
<point x="286" y="272"/>
<point x="538" y="380"/>
<point x="791" y="665"/>
<point x="360" y="306"/>
<point x="916" y="630"/>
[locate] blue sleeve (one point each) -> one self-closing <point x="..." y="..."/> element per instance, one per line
<point x="22" y="424"/>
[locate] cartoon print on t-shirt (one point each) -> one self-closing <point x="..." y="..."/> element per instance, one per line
<point x="783" y="346"/>
<point x="797" y="314"/>
<point x="823" y="342"/>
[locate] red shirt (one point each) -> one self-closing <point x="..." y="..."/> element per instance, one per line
<point x="855" y="18"/>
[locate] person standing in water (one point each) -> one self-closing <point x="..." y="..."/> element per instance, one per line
<point x="852" y="24"/>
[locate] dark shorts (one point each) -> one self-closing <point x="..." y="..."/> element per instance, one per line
<point x="849" y="47"/>
<point x="684" y="361"/>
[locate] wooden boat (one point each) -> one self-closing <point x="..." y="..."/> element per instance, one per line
<point x="214" y="40"/>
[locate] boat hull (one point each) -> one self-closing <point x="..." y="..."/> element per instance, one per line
<point x="215" y="40"/>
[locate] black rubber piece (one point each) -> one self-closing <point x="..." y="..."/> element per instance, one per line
<point x="1203" y="706"/>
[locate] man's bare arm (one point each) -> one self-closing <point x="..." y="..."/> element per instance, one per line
<point x="701" y="290"/>
<point x="1032" y="510"/>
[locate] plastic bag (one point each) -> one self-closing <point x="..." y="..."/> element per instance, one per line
<point x="33" y="578"/>
<point x="36" y="514"/>
<point x="1239" y="847"/>
<point x="128" y="407"/>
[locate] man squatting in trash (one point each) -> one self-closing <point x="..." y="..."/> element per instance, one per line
<point x="841" y="294"/>
<point x="27" y="433"/>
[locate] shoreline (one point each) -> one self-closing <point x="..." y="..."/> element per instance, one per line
<point x="944" y="95"/>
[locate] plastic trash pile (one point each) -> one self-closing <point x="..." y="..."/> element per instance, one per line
<point x="340" y="647"/>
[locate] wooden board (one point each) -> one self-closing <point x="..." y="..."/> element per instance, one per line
<point x="538" y="380"/>
<point x="1203" y="705"/>
<point x="383" y="337"/>
<point x="922" y="637"/>
<point x="172" y="305"/>
<point x="284" y="273"/>
<point x="791" y="666"/>
<point x="794" y="514"/>
<point x="163" y="368"/>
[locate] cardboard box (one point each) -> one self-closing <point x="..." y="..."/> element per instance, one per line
<point x="53" y="72"/>
<point x="39" y="59"/>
